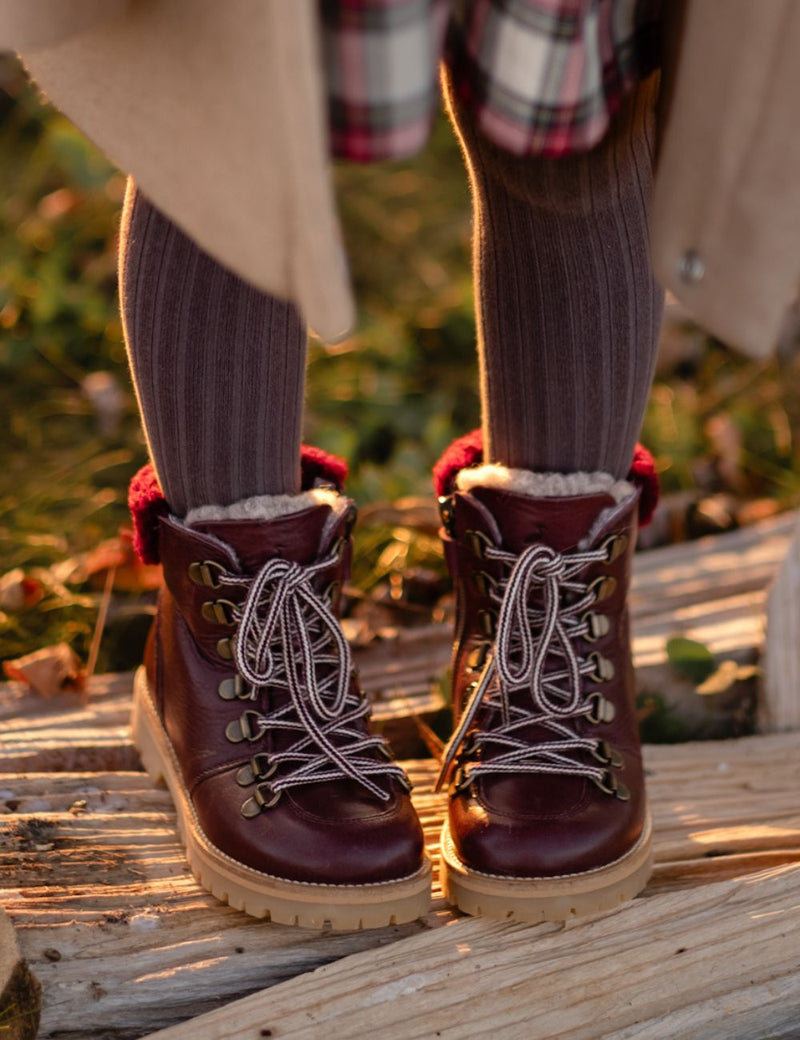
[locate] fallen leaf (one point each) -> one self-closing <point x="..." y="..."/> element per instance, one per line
<point x="18" y="591"/>
<point x="728" y="673"/>
<point x="690" y="659"/>
<point x="49" y="671"/>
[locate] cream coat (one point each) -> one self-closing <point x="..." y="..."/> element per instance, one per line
<point x="217" y="111"/>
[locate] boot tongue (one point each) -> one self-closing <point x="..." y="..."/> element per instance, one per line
<point x="295" y="536"/>
<point x="522" y="520"/>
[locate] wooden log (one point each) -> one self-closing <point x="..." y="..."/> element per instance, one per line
<point x="780" y="705"/>
<point x="20" y="992"/>
<point x="666" y="966"/>
<point x="106" y="890"/>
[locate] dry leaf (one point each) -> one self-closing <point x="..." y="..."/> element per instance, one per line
<point x="49" y="671"/>
<point x="17" y="591"/>
<point x="131" y="574"/>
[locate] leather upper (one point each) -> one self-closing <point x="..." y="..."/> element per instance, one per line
<point x="333" y="832"/>
<point x="545" y="824"/>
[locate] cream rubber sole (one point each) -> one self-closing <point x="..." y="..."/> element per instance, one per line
<point x="546" y="899"/>
<point x="340" y="907"/>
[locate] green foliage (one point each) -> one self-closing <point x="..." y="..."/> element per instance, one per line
<point x="692" y="660"/>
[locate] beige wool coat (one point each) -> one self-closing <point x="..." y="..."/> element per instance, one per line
<point x="217" y="110"/>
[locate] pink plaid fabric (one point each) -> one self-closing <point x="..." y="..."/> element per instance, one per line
<point x="543" y="76"/>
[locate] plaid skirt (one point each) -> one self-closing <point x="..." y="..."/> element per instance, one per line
<point x="543" y="77"/>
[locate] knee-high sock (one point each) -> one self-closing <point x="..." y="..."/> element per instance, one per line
<point x="568" y="310"/>
<point x="219" y="367"/>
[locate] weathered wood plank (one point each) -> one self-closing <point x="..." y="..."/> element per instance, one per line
<point x="20" y="991"/>
<point x="779" y="708"/>
<point x="107" y="886"/>
<point x="644" y="970"/>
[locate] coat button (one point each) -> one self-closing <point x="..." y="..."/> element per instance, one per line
<point x="691" y="268"/>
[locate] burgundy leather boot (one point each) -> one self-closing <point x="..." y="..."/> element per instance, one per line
<point x="547" y="813"/>
<point x="248" y="709"/>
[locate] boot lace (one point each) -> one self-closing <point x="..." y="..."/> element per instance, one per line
<point x="289" y="639"/>
<point x="537" y="623"/>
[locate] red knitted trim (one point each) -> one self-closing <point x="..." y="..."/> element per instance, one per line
<point x="147" y="506"/>
<point x="643" y="475"/>
<point x="467" y="451"/>
<point x="317" y="466"/>
<point x="463" y="453"/>
<point x="147" y="503"/>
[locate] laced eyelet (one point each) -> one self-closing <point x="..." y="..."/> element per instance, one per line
<point x="470" y="746"/>
<point x="614" y="546"/>
<point x="487" y="622"/>
<point x="608" y="755"/>
<point x="219" y="612"/>
<point x="484" y="583"/>
<point x="331" y="591"/>
<point x="206" y="573"/>
<point x="260" y="767"/>
<point x="604" y="670"/>
<point x="233" y="689"/>
<point x="611" y="785"/>
<point x="478" y="543"/>
<point x="244" y="728"/>
<point x="597" y="626"/>
<point x="476" y="658"/>
<point x="601" y="710"/>
<point x="461" y="781"/>
<point x="265" y="797"/>
<point x="603" y="588"/>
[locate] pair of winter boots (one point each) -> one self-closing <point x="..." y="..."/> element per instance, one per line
<point x="249" y="709"/>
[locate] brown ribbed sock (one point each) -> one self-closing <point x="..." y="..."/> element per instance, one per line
<point x="219" y="367"/>
<point x="568" y="309"/>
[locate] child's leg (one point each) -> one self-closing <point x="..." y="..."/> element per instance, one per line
<point x="219" y="367"/>
<point x="568" y="309"/>
<point x="548" y="816"/>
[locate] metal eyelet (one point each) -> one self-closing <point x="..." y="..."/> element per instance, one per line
<point x="598" y="626"/>
<point x="487" y="622"/>
<point x="604" y="670"/>
<point x="608" y="755"/>
<point x="603" y="587"/>
<point x="611" y="785"/>
<point x="470" y="746"/>
<point x="225" y="648"/>
<point x="477" y="543"/>
<point x="233" y="689"/>
<point x="206" y="573"/>
<point x="614" y="546"/>
<point x="219" y="612"/>
<point x="243" y="728"/>
<point x="461" y="781"/>
<point x="476" y="658"/>
<point x="331" y="591"/>
<point x="484" y="583"/>
<point x="260" y="767"/>
<point x="446" y="510"/>
<point x="602" y="711"/>
<point x="264" y="798"/>
<point x="350" y="518"/>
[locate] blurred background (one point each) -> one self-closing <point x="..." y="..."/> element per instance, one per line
<point x="725" y="431"/>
